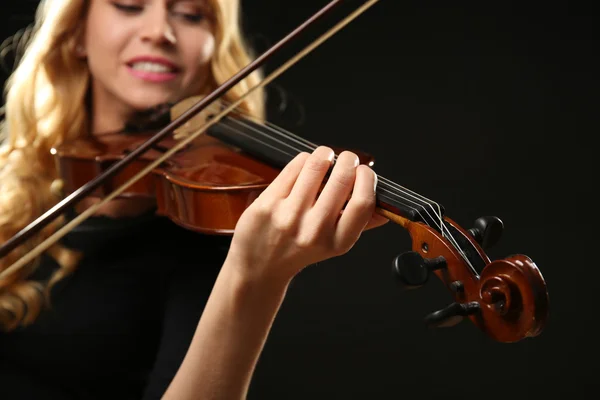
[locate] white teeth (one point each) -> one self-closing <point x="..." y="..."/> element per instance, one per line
<point x="151" y="67"/>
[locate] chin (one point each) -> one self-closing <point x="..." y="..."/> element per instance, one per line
<point x="145" y="100"/>
<point x="147" y="104"/>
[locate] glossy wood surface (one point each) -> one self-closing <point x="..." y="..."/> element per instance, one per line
<point x="511" y="292"/>
<point x="205" y="187"/>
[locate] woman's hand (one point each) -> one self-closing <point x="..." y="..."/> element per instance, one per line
<point x="292" y="224"/>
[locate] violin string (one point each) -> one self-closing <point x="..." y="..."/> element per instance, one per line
<point x="441" y="226"/>
<point x="58" y="234"/>
<point x="395" y="193"/>
<point x="384" y="186"/>
<point x="304" y="148"/>
<point x="387" y="185"/>
<point x="296" y="151"/>
<point x="309" y="146"/>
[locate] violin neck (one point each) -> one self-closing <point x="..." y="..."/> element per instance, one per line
<point x="277" y="148"/>
<point x="270" y="146"/>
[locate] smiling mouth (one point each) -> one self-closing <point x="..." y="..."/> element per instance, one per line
<point x="152" y="67"/>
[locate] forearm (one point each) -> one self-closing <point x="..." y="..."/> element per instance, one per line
<point x="229" y="339"/>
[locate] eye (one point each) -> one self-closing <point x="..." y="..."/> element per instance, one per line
<point x="128" y="8"/>
<point x="195" y="18"/>
<point x="190" y="11"/>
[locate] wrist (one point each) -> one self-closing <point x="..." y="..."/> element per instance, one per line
<point x="251" y="277"/>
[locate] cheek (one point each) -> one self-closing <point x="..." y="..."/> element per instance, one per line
<point x="103" y="46"/>
<point x="207" y="50"/>
<point x="201" y="52"/>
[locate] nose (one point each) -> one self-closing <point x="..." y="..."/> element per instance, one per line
<point x="156" y="27"/>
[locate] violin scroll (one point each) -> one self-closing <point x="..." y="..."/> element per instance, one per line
<point x="513" y="289"/>
<point x="507" y="299"/>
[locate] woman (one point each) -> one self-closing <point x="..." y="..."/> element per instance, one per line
<point x="137" y="306"/>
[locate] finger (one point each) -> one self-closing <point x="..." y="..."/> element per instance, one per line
<point x="338" y="187"/>
<point x="358" y="211"/>
<point x="376" y="221"/>
<point x="283" y="183"/>
<point x="310" y="179"/>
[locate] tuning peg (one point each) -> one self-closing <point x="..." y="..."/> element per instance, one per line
<point x="413" y="270"/>
<point x="487" y="231"/>
<point x="451" y="315"/>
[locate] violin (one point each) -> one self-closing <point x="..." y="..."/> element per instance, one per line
<point x="210" y="162"/>
<point x="204" y="187"/>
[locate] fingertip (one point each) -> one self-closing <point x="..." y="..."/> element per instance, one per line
<point x="303" y="155"/>
<point x="326" y="151"/>
<point x="298" y="162"/>
<point x="353" y="156"/>
<point x="365" y="169"/>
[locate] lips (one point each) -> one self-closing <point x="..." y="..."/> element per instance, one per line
<point x="153" y="69"/>
<point x="153" y="64"/>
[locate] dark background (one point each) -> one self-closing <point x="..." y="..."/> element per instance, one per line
<point x="481" y="107"/>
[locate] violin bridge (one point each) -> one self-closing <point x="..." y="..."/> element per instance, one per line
<point x="196" y="122"/>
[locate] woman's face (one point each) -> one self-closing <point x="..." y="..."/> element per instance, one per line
<point x="142" y="53"/>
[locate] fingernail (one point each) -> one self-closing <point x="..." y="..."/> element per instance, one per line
<point x="375" y="183"/>
<point x="331" y="156"/>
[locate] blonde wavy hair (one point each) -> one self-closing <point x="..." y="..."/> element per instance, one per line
<point x="43" y="108"/>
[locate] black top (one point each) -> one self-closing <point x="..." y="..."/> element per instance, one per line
<point x="119" y="327"/>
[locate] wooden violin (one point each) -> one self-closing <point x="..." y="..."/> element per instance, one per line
<point x="206" y="186"/>
<point x="211" y="161"/>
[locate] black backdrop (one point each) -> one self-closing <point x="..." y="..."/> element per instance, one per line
<point x="477" y="106"/>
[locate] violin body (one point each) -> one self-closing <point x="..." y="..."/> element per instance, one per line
<point x="205" y="187"/>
